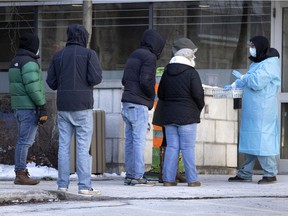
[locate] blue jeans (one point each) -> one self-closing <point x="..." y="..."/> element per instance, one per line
<point x="82" y="123"/>
<point x="27" y="129"/>
<point x="268" y="164"/>
<point x="180" y="138"/>
<point x="135" y="117"/>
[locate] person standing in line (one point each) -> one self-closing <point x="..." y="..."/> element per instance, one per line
<point x="138" y="97"/>
<point x="182" y="97"/>
<point x="259" y="132"/>
<point x="73" y="72"/>
<point x="178" y="44"/>
<point x="28" y="102"/>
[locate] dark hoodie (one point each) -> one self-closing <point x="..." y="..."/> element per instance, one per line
<point x="139" y="73"/>
<point x="29" y="41"/>
<point x="74" y="71"/>
<point x="263" y="50"/>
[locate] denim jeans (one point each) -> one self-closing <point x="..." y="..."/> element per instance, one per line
<point x="80" y="122"/>
<point x="27" y="129"/>
<point x="135" y="117"/>
<point x="268" y="164"/>
<point x="180" y="138"/>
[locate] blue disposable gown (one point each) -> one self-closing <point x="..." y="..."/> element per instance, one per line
<point x="259" y="132"/>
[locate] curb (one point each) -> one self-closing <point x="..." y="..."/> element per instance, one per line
<point x="29" y="197"/>
<point x="43" y="196"/>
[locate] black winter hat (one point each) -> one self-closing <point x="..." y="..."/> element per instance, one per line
<point x="29" y="41"/>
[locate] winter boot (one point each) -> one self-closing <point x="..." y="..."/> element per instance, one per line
<point x="22" y="178"/>
<point x="162" y="154"/>
<point x="180" y="178"/>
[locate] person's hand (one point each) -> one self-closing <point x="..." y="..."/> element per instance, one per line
<point x="42" y="111"/>
<point x="237" y="74"/>
<point x="227" y="87"/>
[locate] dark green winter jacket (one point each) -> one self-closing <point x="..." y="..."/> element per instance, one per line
<point x="25" y="81"/>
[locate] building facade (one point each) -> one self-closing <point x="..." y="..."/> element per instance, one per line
<point x="220" y="29"/>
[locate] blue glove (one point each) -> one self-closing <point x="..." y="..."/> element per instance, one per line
<point x="227" y="87"/>
<point x="237" y="74"/>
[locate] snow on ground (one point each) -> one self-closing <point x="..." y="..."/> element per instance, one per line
<point x="7" y="172"/>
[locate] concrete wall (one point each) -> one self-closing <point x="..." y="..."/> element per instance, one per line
<point x="107" y="96"/>
<point x="217" y="135"/>
<point x="216" y="147"/>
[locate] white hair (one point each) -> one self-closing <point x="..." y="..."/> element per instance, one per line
<point x="188" y="54"/>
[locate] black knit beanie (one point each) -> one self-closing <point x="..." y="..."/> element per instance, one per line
<point x="29" y="41"/>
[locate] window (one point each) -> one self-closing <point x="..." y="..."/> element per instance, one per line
<point x="284" y="85"/>
<point x="52" y="23"/>
<point x="13" y="22"/>
<point x="220" y="29"/>
<point x="117" y="30"/>
<point x="284" y="135"/>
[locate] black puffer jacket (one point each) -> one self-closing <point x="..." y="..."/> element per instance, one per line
<point x="139" y="73"/>
<point x="181" y="94"/>
<point x="74" y="71"/>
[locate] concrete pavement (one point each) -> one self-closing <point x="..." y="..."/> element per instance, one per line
<point x="213" y="187"/>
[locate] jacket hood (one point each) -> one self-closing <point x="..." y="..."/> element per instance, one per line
<point x="263" y="50"/>
<point x="77" y="34"/>
<point x="175" y="69"/>
<point x="29" y="41"/>
<point x="180" y="60"/>
<point x="25" y="52"/>
<point x="154" y="41"/>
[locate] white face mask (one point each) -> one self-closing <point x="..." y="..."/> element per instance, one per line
<point x="37" y="52"/>
<point x="252" y="51"/>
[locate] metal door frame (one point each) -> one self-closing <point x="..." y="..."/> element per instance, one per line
<point x="276" y="41"/>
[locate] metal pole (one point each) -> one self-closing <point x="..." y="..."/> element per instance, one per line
<point x="87" y="18"/>
<point x="36" y="18"/>
<point x="151" y="15"/>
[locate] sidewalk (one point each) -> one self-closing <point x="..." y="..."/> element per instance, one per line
<point x="213" y="187"/>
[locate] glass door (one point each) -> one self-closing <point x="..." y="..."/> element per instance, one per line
<point x="280" y="42"/>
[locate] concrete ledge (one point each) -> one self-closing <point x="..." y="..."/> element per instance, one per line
<point x="212" y="170"/>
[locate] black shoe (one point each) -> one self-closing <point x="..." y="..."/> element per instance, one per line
<point x="141" y="182"/>
<point x="267" y="180"/>
<point x="127" y="181"/>
<point x="238" y="179"/>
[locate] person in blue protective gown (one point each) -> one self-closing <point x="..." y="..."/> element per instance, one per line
<point x="259" y="131"/>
